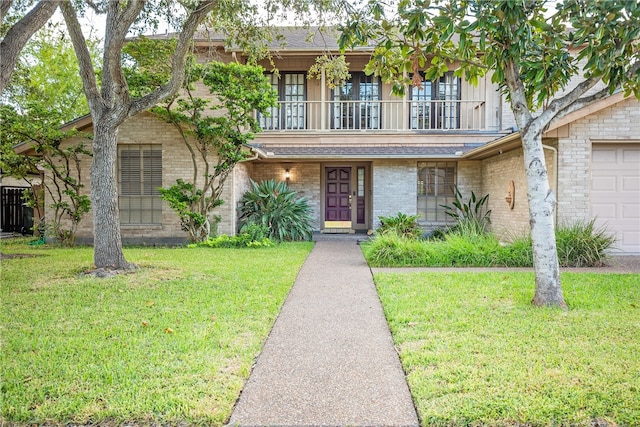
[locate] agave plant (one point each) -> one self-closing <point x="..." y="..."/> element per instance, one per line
<point x="274" y="205"/>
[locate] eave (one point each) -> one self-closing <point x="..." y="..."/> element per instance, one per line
<point x="513" y="140"/>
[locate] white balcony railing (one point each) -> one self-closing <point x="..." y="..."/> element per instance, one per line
<point x="376" y="116"/>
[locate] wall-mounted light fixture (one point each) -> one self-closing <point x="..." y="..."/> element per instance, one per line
<point x="287" y="174"/>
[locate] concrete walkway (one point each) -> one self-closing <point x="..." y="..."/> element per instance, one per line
<point x="329" y="360"/>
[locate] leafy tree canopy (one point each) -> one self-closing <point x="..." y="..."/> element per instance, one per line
<point x="600" y="40"/>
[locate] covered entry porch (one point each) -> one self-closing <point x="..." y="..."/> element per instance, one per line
<point x="339" y="192"/>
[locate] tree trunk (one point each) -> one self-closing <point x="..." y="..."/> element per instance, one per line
<point x="542" y="205"/>
<point x="104" y="199"/>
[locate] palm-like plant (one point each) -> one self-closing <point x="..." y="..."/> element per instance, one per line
<point x="274" y="205"/>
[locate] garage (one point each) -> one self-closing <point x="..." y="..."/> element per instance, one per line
<point x="615" y="192"/>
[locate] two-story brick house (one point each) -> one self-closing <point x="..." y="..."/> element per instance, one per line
<point x="358" y="152"/>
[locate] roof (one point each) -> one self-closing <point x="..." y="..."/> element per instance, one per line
<point x="363" y="151"/>
<point x="513" y="140"/>
<point x="290" y="39"/>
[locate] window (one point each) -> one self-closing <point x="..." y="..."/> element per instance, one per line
<point x="436" y="182"/>
<point x="139" y="177"/>
<point x="356" y="104"/>
<point x="290" y="113"/>
<point x="435" y="106"/>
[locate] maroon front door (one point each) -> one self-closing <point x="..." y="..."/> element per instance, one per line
<point x="337" y="212"/>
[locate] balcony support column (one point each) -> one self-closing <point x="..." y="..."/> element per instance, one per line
<point x="405" y="106"/>
<point x="323" y="101"/>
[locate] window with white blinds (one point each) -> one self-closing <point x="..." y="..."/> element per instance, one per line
<point x="139" y="177"/>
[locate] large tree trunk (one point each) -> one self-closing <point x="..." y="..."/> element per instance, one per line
<point x="542" y="205"/>
<point x="104" y="198"/>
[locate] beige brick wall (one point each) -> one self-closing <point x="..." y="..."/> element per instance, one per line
<point x="394" y="188"/>
<point x="496" y="173"/>
<point x="620" y="122"/>
<point x="146" y="128"/>
<point x="241" y="184"/>
<point x="304" y="179"/>
<point x="469" y="177"/>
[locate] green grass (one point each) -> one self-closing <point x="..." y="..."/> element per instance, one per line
<point x="477" y="353"/>
<point x="174" y="342"/>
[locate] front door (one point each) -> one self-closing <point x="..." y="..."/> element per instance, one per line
<point x="338" y="197"/>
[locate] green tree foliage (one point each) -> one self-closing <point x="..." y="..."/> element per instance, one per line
<point x="18" y="22"/>
<point x="530" y="56"/>
<point x="216" y="133"/>
<point x="49" y="53"/>
<point x="35" y="105"/>
<point x="335" y="69"/>
<point x="62" y="178"/>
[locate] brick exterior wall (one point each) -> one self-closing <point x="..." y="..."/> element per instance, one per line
<point x="304" y="178"/>
<point x="146" y="128"/>
<point x="469" y="177"/>
<point x="394" y="188"/>
<point x="620" y="122"/>
<point x="241" y="184"/>
<point x="496" y="173"/>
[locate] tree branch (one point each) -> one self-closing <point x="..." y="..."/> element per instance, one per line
<point x="178" y="60"/>
<point x="114" y="85"/>
<point x="517" y="93"/>
<point x="4" y="8"/>
<point x="18" y="35"/>
<point x="87" y="73"/>
<point x="579" y="104"/>
<point x="558" y="105"/>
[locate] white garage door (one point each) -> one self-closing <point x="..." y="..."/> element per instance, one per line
<point x="615" y="192"/>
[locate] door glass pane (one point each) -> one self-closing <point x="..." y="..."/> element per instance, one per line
<point x="360" y="182"/>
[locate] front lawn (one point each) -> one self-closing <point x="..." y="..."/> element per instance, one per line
<point x="173" y="342"/>
<point x="477" y="353"/>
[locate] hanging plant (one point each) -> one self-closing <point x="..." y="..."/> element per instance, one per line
<point x="336" y="70"/>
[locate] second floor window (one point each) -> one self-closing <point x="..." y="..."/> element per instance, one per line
<point x="435" y="105"/>
<point x="356" y="105"/>
<point x="291" y="111"/>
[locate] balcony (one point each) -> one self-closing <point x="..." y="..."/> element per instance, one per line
<point x="376" y="116"/>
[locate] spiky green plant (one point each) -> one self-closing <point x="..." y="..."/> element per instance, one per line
<point x="401" y="224"/>
<point x="275" y="205"/>
<point x="472" y="215"/>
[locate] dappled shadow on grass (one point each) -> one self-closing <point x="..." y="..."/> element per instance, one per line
<point x="13" y="256"/>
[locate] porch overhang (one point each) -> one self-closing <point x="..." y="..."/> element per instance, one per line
<point x="363" y="152"/>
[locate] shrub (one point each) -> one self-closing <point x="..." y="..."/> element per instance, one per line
<point x="391" y="250"/>
<point x="581" y="244"/>
<point x="242" y="240"/>
<point x="471" y="215"/>
<point x="276" y="207"/>
<point x="402" y="225"/>
<point x="256" y="231"/>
